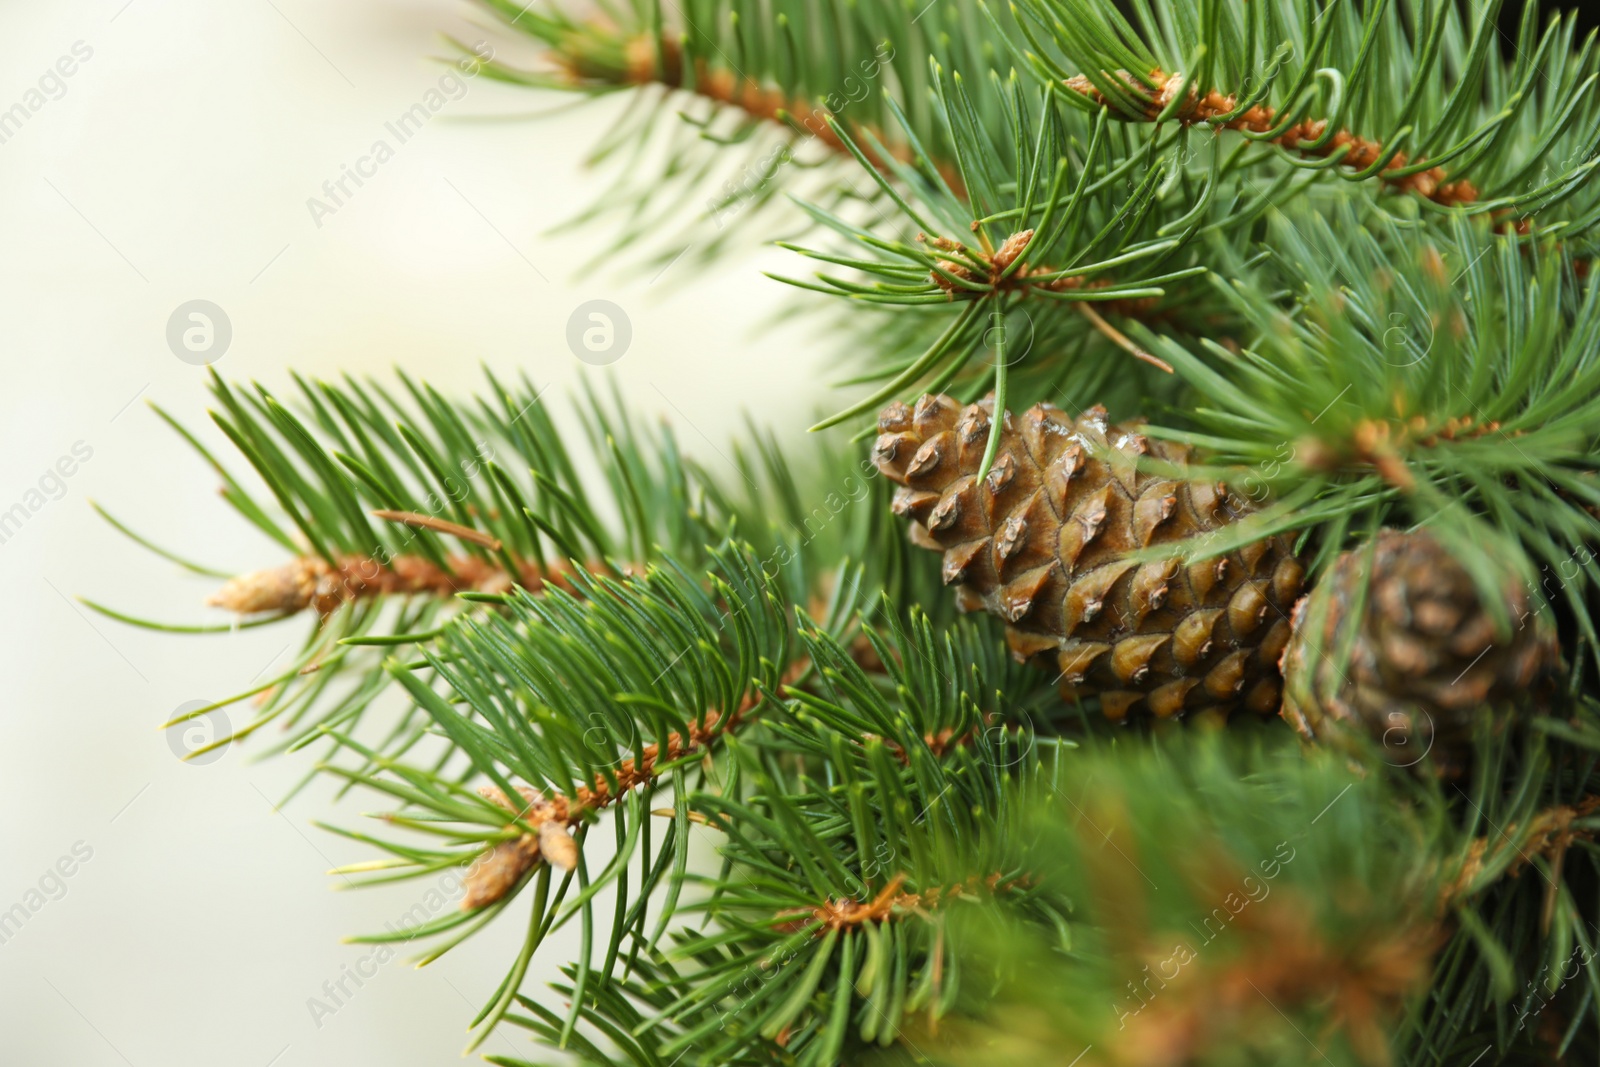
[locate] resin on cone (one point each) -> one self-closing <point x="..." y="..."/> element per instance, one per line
<point x="1046" y="540"/>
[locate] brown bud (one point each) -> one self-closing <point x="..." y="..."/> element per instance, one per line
<point x="497" y="872"/>
<point x="286" y="588"/>
<point x="557" y="846"/>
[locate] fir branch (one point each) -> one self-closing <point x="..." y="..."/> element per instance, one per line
<point x="661" y="61"/>
<point x="1448" y="385"/>
<point x="498" y="871"/>
<point x="1514" y="896"/>
<point x="1150" y="204"/>
<point x="1307" y="137"/>
<point x="1203" y="930"/>
<point x="1509" y="849"/>
<point x="601" y="663"/>
<point x="921" y="845"/>
<point x="1041" y="253"/>
<point x="893" y="901"/>
<point x="742" y="101"/>
<point x="1446" y="118"/>
<point x="310" y="582"/>
<point x="478" y="498"/>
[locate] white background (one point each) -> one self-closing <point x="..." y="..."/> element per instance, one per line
<point x="177" y="165"/>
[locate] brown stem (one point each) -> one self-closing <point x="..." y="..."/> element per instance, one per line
<point x="497" y="871"/>
<point x="659" y="61"/>
<point x="1548" y="833"/>
<point x="994" y="267"/>
<point x="840" y="913"/>
<point x="1122" y="340"/>
<point x="311" y="581"/>
<point x="1358" y="152"/>
<point x="939" y="744"/>
<point x="1384" y="444"/>
<point x="418" y="521"/>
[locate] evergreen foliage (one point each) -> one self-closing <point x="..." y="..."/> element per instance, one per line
<point x="1340" y="247"/>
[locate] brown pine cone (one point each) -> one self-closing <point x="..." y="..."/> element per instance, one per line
<point x="1043" y="542"/>
<point x="1423" y="658"/>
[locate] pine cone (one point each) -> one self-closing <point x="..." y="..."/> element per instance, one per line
<point x="1423" y="658"/>
<point x="1043" y="542"/>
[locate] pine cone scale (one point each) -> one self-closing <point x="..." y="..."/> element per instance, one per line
<point x="1045" y="540"/>
<point x="1425" y="658"/>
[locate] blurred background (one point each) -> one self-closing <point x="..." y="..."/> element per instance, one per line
<point x="173" y="164"/>
<point x="155" y="154"/>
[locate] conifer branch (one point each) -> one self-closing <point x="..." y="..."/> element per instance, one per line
<point x="661" y="61"/>
<point x="1307" y="137"/>
<point x="480" y="498"/>
<point x="1505" y="852"/>
<point x="1002" y="272"/>
<point x="922" y="844"/>
<point x="752" y="86"/>
<point x="974" y="273"/>
<point x="311" y="582"/>
<point x="504" y="865"/>
<point x="893" y="901"/>
<point x="1381" y="401"/>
